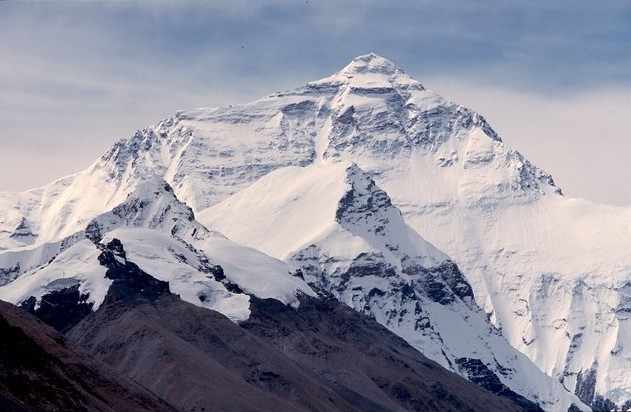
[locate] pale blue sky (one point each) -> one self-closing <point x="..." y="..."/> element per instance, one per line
<point x="553" y="77"/>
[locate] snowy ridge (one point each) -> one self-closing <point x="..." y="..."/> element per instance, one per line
<point x="152" y="205"/>
<point x="60" y="209"/>
<point x="188" y="271"/>
<point x="156" y="232"/>
<point x="363" y="253"/>
<point x="77" y="267"/>
<point x="366" y="211"/>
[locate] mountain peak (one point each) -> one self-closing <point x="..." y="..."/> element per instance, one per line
<point x="369" y="73"/>
<point x="370" y="63"/>
<point x="154" y="205"/>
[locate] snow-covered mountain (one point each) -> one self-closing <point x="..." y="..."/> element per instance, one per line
<point x="347" y="238"/>
<point x="109" y="288"/>
<point x="553" y="273"/>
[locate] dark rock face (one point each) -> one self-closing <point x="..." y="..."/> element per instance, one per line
<point x="586" y="385"/>
<point x="322" y="356"/>
<point x="129" y="280"/>
<point x="359" y="205"/>
<point x="442" y="284"/>
<point x="602" y="404"/>
<point x="64" y="308"/>
<point x="480" y="374"/>
<point x="23" y="230"/>
<point x="8" y="274"/>
<point x="61" y="309"/>
<point x="299" y="109"/>
<point x="586" y="391"/>
<point x="573" y="408"/>
<point x="197" y="359"/>
<point x="363" y="361"/>
<point x="39" y="371"/>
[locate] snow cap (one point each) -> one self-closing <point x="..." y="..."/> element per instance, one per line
<point x="371" y="63"/>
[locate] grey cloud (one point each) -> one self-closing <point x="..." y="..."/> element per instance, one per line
<point x="558" y="45"/>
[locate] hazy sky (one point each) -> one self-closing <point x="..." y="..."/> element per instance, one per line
<point x="552" y="77"/>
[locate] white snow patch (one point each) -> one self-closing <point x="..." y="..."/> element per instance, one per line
<point x="267" y="215"/>
<point x="78" y="265"/>
<point x="169" y="260"/>
<point x="254" y="271"/>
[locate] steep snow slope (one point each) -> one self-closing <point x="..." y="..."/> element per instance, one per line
<point x="331" y="222"/>
<point x="552" y="276"/>
<point x="502" y="219"/>
<point x="551" y="271"/>
<point x="301" y="204"/>
<point x="157" y="233"/>
<point x="58" y="210"/>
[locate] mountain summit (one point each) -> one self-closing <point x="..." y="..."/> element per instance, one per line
<point x="371" y="63"/>
<point x="342" y="167"/>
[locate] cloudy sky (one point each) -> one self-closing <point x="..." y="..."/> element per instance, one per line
<point x="552" y="77"/>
